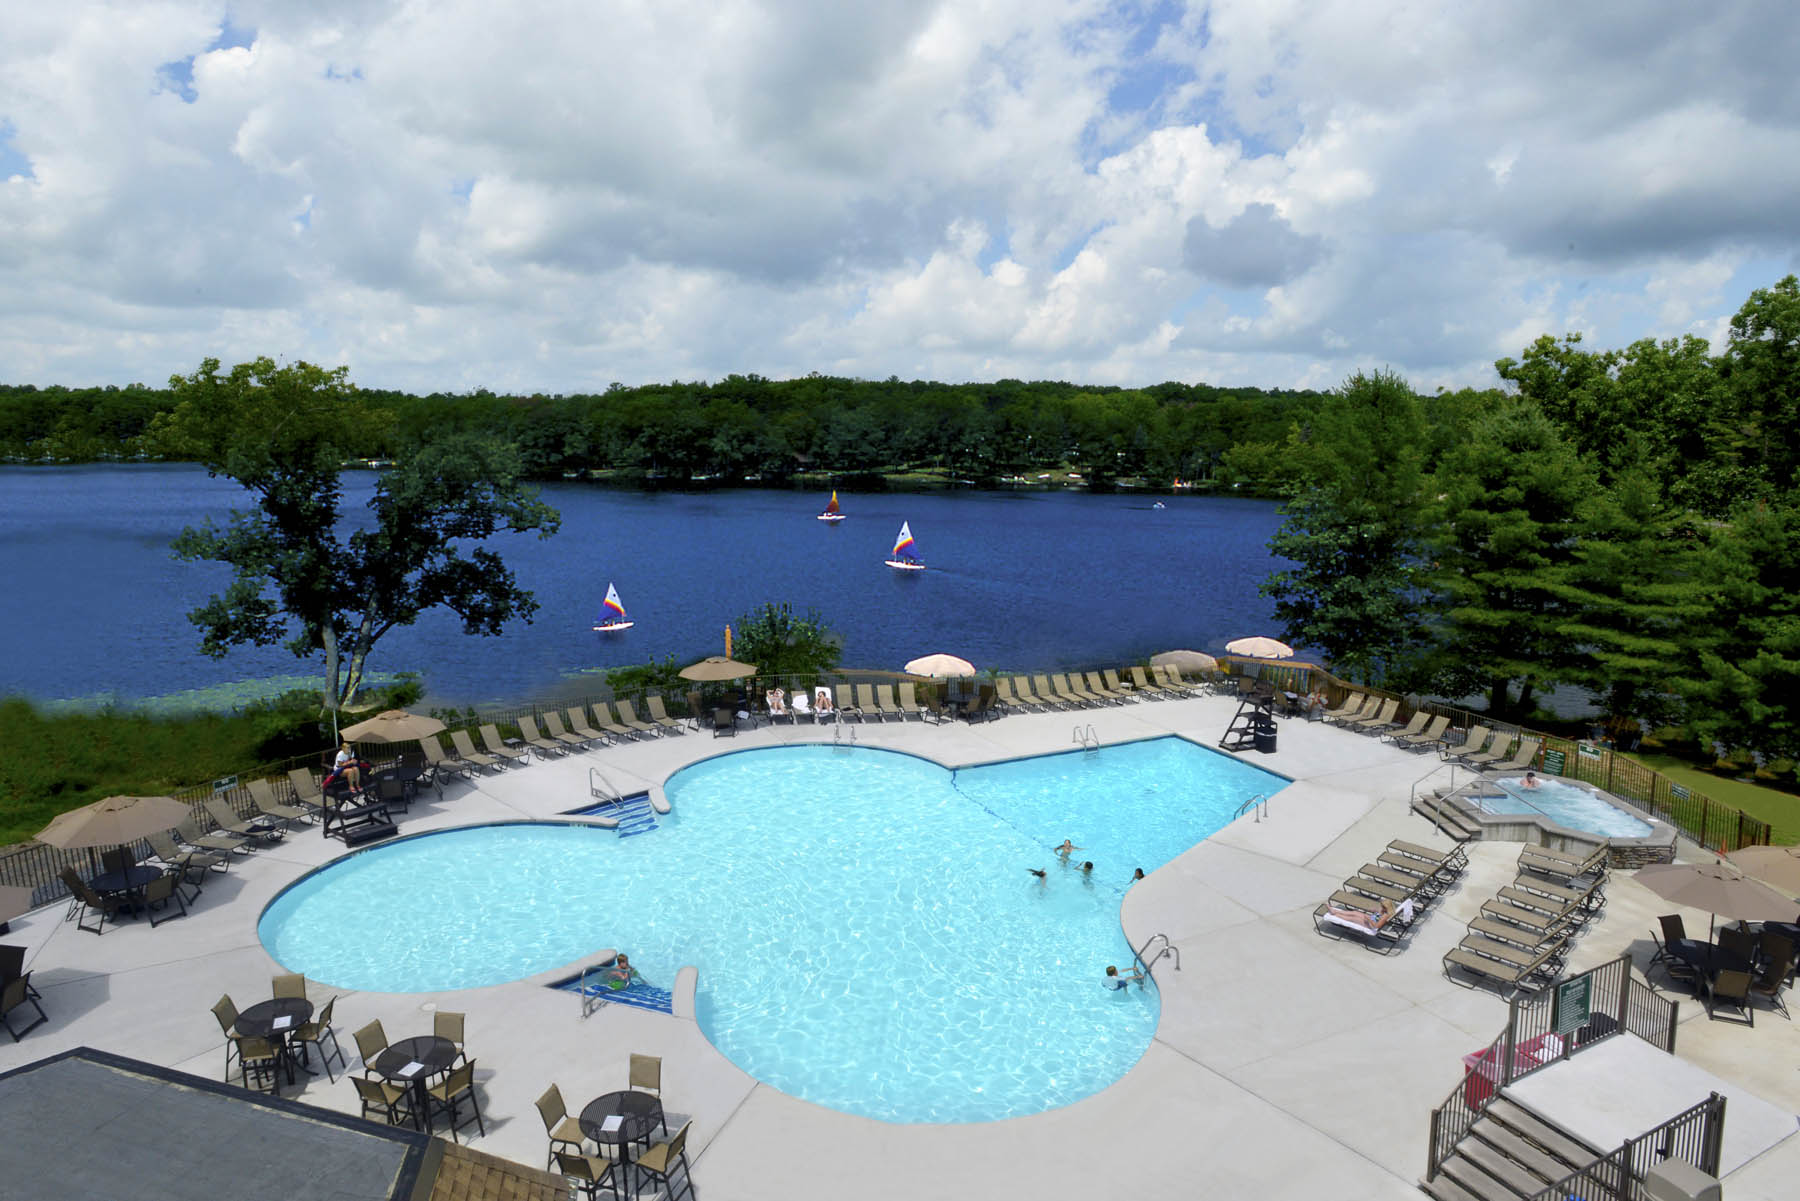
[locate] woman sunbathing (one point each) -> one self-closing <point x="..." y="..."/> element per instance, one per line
<point x="1370" y="921"/>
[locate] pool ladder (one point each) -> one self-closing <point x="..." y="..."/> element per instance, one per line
<point x="1259" y="804"/>
<point x="1086" y="739"/>
<point x="837" y="733"/>
<point x="1164" y="950"/>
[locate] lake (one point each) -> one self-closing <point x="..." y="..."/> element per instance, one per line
<point x="94" y="607"/>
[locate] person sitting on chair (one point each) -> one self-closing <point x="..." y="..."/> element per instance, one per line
<point x="348" y="767"/>
<point x="822" y="701"/>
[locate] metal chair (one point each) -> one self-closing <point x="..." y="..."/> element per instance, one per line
<point x="646" y="1076"/>
<point x="446" y="1097"/>
<point x="371" y="1041"/>
<point x="588" y="1172"/>
<point x="316" y="1032"/>
<point x="160" y="893"/>
<point x="561" y="1128"/>
<point x="662" y="1159"/>
<point x="16" y="993"/>
<point x="448" y="1024"/>
<point x="289" y="984"/>
<point x="378" y="1096"/>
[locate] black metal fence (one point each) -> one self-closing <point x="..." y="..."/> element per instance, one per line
<point x="1545" y="1028"/>
<point x="1693" y="1136"/>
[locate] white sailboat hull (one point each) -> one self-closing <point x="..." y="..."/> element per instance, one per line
<point x="613" y="627"/>
<point x="904" y="565"/>
<point x="831" y="517"/>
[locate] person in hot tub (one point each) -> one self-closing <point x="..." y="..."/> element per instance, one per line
<point x="1530" y="780"/>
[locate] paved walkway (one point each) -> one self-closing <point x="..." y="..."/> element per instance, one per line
<point x="1286" y="1065"/>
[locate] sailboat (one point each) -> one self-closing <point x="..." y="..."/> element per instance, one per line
<point x="612" y="613"/>
<point x="831" y="512"/>
<point x="902" y="558"/>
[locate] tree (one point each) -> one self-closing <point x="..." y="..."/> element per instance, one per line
<point x="1749" y="693"/>
<point x="1512" y="495"/>
<point x="781" y="644"/>
<point x="1761" y="365"/>
<point x="1354" y="531"/>
<point x="284" y="432"/>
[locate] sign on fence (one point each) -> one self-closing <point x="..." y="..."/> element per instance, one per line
<point x="1587" y="750"/>
<point x="1554" y="762"/>
<point x="1571" y="1006"/>
<point x="224" y="784"/>
<point x="1678" y="791"/>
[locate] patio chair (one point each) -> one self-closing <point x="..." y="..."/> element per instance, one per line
<point x="645" y="1075"/>
<point x="288" y="984"/>
<point x="391" y="1101"/>
<point x="1432" y="733"/>
<point x="1509" y="978"/>
<point x="660" y="714"/>
<point x="1524" y="757"/>
<point x="629" y="718"/>
<point x="264" y="800"/>
<point x="193" y="865"/>
<point x="588" y="1172"/>
<point x="724" y="723"/>
<point x="1496" y="752"/>
<point x="306" y="789"/>
<point x="316" y="1032"/>
<point x="1771" y="979"/>
<point x="371" y="1041"/>
<point x="662" y="1159"/>
<point x="160" y="894"/>
<point x="465" y="751"/>
<point x="909" y="701"/>
<point x="1738" y="941"/>
<point x="433" y="750"/>
<point x="496" y="746"/>
<point x="846" y="704"/>
<point x="446" y="1097"/>
<point x="446" y="1023"/>
<point x="1380" y="719"/>
<point x="823" y="706"/>
<point x="226" y="819"/>
<point x="528" y="730"/>
<point x="560" y="734"/>
<point x="697" y="712"/>
<point x="1774" y="945"/>
<point x="885" y="703"/>
<point x="90" y="903"/>
<point x="1091" y="680"/>
<point x="12" y="964"/>
<point x="777" y="702"/>
<point x="1046" y="695"/>
<point x="1358" y="705"/>
<point x="1414" y="726"/>
<point x="17" y="993"/>
<point x="865" y="702"/>
<point x="982" y="708"/>
<point x="1732" y="988"/>
<point x="1015" y="693"/>
<point x="1146" y="685"/>
<point x="226" y="1011"/>
<point x="934" y="708"/>
<point x="558" y="1125"/>
<point x="603" y="721"/>
<point x="193" y="838"/>
<point x="1067" y="693"/>
<point x="1119" y="686"/>
<point x="801" y="703"/>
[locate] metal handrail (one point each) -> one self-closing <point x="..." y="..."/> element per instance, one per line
<point x="1086" y="739"/>
<point x="1169" y="950"/>
<point x="615" y="795"/>
<point x="1259" y="802"/>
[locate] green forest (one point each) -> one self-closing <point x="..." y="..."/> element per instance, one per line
<point x="1623" y="520"/>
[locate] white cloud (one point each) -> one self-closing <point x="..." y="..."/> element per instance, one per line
<point x="558" y="194"/>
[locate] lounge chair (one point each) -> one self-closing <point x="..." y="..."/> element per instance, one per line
<point x="1568" y="870"/>
<point x="724" y="722"/>
<point x="193" y="838"/>
<point x="777" y="699"/>
<point x="306" y="789"/>
<point x="262" y="796"/>
<point x="1429" y="735"/>
<point x="1119" y="686"/>
<point x="1352" y="704"/>
<point x="629" y="719"/>
<point x="1099" y="689"/>
<point x="1523" y="758"/>
<point x="660" y="715"/>
<point x="909" y="700"/>
<point x="846" y="704"/>
<point x="1380" y="719"/>
<point x="1068" y="694"/>
<point x="528" y="730"/>
<point x="886" y="704"/>
<point x="433" y="750"/>
<point x="801" y="704"/>
<point x="16" y="994"/>
<point x="192" y="864"/>
<point x="496" y="746"/>
<point x="1171" y="678"/>
<point x="1510" y="978"/>
<point x="226" y="818"/>
<point x="91" y="903"/>
<point x="1146" y="685"/>
<point x="1040" y="685"/>
<point x="1591" y="896"/>
<point x="1370" y="703"/>
<point x="1496" y="751"/>
<point x="824" y="708"/>
<point x="1474" y="742"/>
<point x="1380" y="932"/>
<point x="560" y="734"/>
<point x="465" y="750"/>
<point x="1454" y="859"/>
<point x="1024" y="696"/>
<point x="865" y="702"/>
<point x="608" y="725"/>
<point x="1414" y="726"/>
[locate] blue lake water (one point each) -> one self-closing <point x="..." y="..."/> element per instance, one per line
<point x="94" y="605"/>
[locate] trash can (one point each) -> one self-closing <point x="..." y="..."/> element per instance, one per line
<point x="1264" y="734"/>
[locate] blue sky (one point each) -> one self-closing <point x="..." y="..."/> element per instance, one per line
<point x="556" y="195"/>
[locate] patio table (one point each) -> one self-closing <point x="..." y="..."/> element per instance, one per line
<point x="1707" y="959"/>
<point x="277" y="1020"/>
<point x="128" y="882"/>
<point x="413" y="1062"/>
<point x="621" y="1119"/>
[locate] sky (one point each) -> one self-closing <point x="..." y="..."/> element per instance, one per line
<point x="557" y="195"/>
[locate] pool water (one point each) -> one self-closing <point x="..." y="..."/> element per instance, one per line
<point x="866" y="932"/>
<point x="1568" y="805"/>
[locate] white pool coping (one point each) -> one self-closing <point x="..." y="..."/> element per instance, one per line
<point x="1285" y="1065"/>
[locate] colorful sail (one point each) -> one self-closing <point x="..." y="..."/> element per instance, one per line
<point x="903" y="545"/>
<point x="832" y="505"/>
<point x="613" y="602"/>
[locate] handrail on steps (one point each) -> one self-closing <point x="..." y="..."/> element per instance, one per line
<point x="1413" y="794"/>
<point x="1086" y="739"/>
<point x="610" y="794"/>
<point x="1167" y="950"/>
<point x="1259" y="803"/>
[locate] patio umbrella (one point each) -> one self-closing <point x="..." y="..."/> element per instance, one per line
<point x="940" y="665"/>
<point x="1260" y="648"/>
<point x="1718" y="888"/>
<point x="1185" y="660"/>
<point x="717" y="667"/>
<point x="395" y="725"/>
<point x="113" y="822"/>
<point x="1778" y="867"/>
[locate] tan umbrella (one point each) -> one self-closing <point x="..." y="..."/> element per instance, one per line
<point x="1718" y="888"/>
<point x="1260" y="648"/>
<point x="394" y="725"/>
<point x="13" y="902"/>
<point x="114" y="821"/>
<point x="1185" y="660"/>
<point x="717" y="667"/>
<point x="941" y="665"/>
<point x="1778" y="867"/>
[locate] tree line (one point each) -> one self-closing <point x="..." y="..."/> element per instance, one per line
<point x="1622" y="520"/>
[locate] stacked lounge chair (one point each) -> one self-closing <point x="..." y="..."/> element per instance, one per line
<point x="528" y="730"/>
<point x="496" y="746"/>
<point x="1520" y="940"/>
<point x="1429" y="736"/>
<point x="1390" y="895"/>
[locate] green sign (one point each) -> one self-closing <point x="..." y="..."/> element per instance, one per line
<point x="1587" y="750"/>
<point x="1554" y="762"/>
<point x="225" y="784"/>
<point x="1571" y="1010"/>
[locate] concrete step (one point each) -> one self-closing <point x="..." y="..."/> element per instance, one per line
<point x="1466" y="1172"/>
<point x="1554" y="1139"/>
<point x="1539" y="1162"/>
<point x="1446" y="1188"/>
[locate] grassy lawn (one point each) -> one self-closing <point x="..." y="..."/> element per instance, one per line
<point x="1780" y="809"/>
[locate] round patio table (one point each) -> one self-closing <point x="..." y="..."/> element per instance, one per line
<point x="1707" y="959"/>
<point x="277" y="1019"/>
<point x="621" y="1119"/>
<point x="430" y="1053"/>
<point x="129" y="880"/>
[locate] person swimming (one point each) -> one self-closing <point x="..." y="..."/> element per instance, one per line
<point x="1067" y="848"/>
<point x="1137" y="874"/>
<point x="1038" y="872"/>
<point x="1115" y="979"/>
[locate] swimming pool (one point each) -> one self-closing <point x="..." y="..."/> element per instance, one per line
<point x="866" y="932"/>
<point x="1569" y="805"/>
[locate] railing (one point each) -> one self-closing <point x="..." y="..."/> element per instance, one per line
<point x="1259" y="803"/>
<point x="1618" y="1003"/>
<point x="1086" y="739"/>
<point x="1693" y="1136"/>
<point x="1708" y="822"/>
<point x="1166" y="950"/>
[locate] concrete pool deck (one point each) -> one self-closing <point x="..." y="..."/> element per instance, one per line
<point x="1285" y="1065"/>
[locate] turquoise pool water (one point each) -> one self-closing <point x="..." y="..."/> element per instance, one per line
<point x="1568" y="805"/>
<point x="866" y="932"/>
